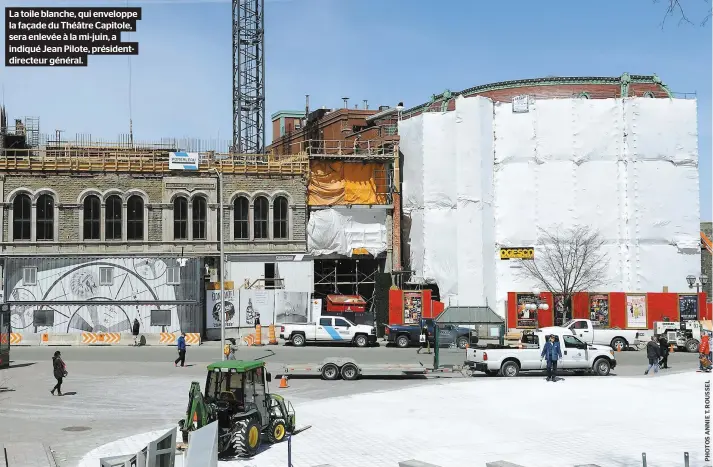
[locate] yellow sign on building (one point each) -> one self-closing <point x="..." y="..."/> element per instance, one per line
<point x="517" y="253"/>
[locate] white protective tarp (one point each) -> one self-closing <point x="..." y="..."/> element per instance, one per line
<point x="483" y="177"/>
<point x="330" y="231"/>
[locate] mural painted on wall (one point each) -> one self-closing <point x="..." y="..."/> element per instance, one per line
<point x="245" y="307"/>
<point x="69" y="295"/>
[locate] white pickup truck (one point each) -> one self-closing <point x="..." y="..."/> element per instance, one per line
<point x="329" y="329"/>
<point x="509" y="361"/>
<point x="615" y="338"/>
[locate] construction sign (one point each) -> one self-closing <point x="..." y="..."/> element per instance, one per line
<point x="517" y="253"/>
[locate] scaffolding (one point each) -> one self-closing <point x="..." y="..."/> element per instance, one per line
<point x="347" y="276"/>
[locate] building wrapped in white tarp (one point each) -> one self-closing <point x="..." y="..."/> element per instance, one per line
<point x="484" y="177"/>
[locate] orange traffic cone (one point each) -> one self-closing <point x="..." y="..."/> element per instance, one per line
<point x="283" y="382"/>
<point x="195" y="419"/>
<point x="618" y="347"/>
<point x="672" y="348"/>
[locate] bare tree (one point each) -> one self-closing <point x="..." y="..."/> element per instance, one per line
<point x="675" y="8"/>
<point x="567" y="262"/>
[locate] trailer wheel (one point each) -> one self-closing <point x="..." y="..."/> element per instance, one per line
<point x="692" y="345"/>
<point x="350" y="372"/>
<point x="330" y="372"/>
<point x="298" y="340"/>
<point x="602" y="367"/>
<point x="510" y="369"/>
<point x="402" y="341"/>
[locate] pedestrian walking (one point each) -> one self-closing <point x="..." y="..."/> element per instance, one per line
<point x="653" y="353"/>
<point x="135" y="331"/>
<point x="552" y="353"/>
<point x="423" y="337"/>
<point x="230" y="348"/>
<point x="59" y="369"/>
<point x="181" y="346"/>
<point x="663" y="345"/>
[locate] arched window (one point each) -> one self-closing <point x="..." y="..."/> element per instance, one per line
<point x="280" y="215"/>
<point x="112" y="218"/>
<point x="241" y="209"/>
<point x="45" y="218"/>
<point x="92" y="218"/>
<point x="135" y="218"/>
<point x="261" y="214"/>
<point x="200" y="217"/>
<point x="21" y="217"/>
<point x="180" y="218"/>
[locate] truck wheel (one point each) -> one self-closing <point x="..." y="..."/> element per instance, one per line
<point x="402" y="342"/>
<point x="350" y="372"/>
<point x="361" y="340"/>
<point x="510" y="369"/>
<point x="692" y="345"/>
<point x="245" y="438"/>
<point x="602" y="367"/>
<point x="276" y="431"/>
<point x="298" y="340"/>
<point x="619" y="341"/>
<point x="462" y="343"/>
<point x="330" y="372"/>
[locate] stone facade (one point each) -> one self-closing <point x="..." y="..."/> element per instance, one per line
<point x="158" y="194"/>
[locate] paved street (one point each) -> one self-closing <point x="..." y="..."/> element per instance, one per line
<point x="114" y="392"/>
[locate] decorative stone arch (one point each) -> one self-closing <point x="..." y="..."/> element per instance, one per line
<point x="112" y="192"/>
<point x="11" y="216"/>
<point x="55" y="214"/>
<point x="284" y="194"/>
<point x="179" y="193"/>
<point x="80" y="208"/>
<point x="257" y="194"/>
<point x="125" y="214"/>
<point x="172" y="218"/>
<point x="233" y="197"/>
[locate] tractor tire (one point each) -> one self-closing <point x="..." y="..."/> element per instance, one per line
<point x="402" y="342"/>
<point x="245" y="438"/>
<point x="276" y="431"/>
<point x="692" y="345"/>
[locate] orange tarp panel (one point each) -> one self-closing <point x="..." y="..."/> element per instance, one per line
<point x="342" y="183"/>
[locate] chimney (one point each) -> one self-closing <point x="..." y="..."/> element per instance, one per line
<point x="366" y="104"/>
<point x="346" y="102"/>
<point x="306" y="105"/>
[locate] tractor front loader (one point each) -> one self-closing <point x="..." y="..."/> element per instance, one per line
<point x="237" y="397"/>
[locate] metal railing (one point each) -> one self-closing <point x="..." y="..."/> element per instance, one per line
<point x="375" y="148"/>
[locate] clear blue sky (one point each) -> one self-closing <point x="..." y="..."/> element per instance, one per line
<point x="381" y="50"/>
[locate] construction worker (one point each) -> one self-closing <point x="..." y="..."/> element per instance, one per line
<point x="552" y="353"/>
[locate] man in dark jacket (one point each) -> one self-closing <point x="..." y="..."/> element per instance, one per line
<point x="181" y="346"/>
<point x="663" y="345"/>
<point x="59" y="370"/>
<point x="135" y="331"/>
<point x="552" y="353"/>
<point x="653" y="353"/>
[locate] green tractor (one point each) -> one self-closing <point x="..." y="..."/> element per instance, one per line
<point x="237" y="397"/>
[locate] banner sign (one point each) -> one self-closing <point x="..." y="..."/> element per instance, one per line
<point x="182" y="161"/>
<point x="517" y="253"/>
<point x="599" y="310"/>
<point x="526" y="318"/>
<point x="687" y="307"/>
<point x="636" y="312"/>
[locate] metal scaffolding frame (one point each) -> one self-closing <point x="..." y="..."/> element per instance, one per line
<point x="359" y="282"/>
<point x="248" y="76"/>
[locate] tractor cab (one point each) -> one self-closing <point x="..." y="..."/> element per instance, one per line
<point x="237" y="397"/>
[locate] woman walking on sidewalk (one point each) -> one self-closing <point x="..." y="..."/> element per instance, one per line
<point x="60" y="371"/>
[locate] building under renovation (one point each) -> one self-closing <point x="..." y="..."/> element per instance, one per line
<point x="352" y="229"/>
<point x="95" y="235"/>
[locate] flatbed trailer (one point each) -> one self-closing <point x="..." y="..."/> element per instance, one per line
<point x="348" y="369"/>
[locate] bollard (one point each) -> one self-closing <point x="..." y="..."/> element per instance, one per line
<point x="685" y="459"/>
<point x="258" y="334"/>
<point x="643" y="459"/>
<point x="271" y="332"/>
<point x="289" y="450"/>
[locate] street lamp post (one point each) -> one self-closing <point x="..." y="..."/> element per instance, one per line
<point x="698" y="284"/>
<point x="221" y="277"/>
<point x="535" y="307"/>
